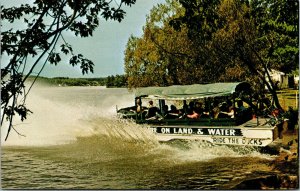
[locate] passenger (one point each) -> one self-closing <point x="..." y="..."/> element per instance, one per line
<point x="215" y="110"/>
<point x="240" y="105"/>
<point x="194" y="115"/>
<point x="198" y="108"/>
<point x="190" y="107"/>
<point x="227" y="110"/>
<point x="138" y="107"/>
<point x="150" y="103"/>
<point x="205" y="114"/>
<point x="151" y="110"/>
<point x="223" y="111"/>
<point x="164" y="113"/>
<point x="173" y="109"/>
<point x="174" y="112"/>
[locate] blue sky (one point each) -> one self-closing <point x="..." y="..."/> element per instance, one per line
<point x="106" y="47"/>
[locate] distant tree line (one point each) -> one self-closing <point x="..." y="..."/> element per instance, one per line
<point x="116" y="81"/>
<point x="110" y="81"/>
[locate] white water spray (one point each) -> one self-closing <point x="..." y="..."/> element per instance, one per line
<point x="60" y="114"/>
<point x="64" y="114"/>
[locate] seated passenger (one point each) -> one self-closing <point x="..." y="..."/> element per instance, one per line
<point x="163" y="114"/>
<point x="198" y="108"/>
<point x="185" y="108"/>
<point x="243" y="113"/>
<point x="190" y="108"/>
<point x="138" y="106"/>
<point x="223" y="111"/>
<point x="165" y="111"/>
<point x="151" y="110"/>
<point x="174" y="112"/>
<point x="194" y="115"/>
<point x="227" y="110"/>
<point x="215" y="110"/>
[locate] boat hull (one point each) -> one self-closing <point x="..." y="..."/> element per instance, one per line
<point x="249" y="133"/>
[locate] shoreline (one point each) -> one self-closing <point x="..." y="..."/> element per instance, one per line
<point x="285" y="166"/>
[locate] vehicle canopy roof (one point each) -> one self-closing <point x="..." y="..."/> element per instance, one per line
<point x="195" y="91"/>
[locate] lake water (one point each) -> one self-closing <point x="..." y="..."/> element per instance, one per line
<point x="73" y="140"/>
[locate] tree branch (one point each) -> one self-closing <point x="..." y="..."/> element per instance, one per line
<point x="28" y="33"/>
